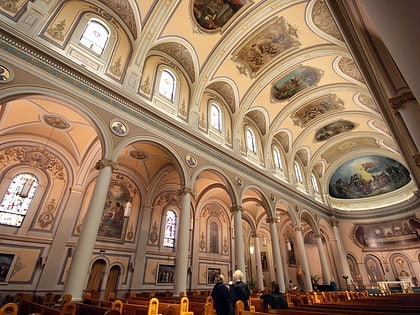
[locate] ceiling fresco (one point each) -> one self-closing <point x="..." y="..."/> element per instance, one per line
<point x="368" y="176"/>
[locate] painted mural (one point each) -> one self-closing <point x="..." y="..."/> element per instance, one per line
<point x="277" y="38"/>
<point x="388" y="235"/>
<point x="295" y="82"/>
<point x="333" y="129"/>
<point x="368" y="176"/>
<point x="214" y="14"/>
<point x="112" y="223"/>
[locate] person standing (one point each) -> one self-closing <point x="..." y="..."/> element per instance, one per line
<point x="239" y="290"/>
<point x="221" y="296"/>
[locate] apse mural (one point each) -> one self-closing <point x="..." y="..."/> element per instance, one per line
<point x="333" y="129"/>
<point x="368" y="176"/>
<point x="295" y="82"/>
<point x="214" y="14"/>
<point x="388" y="235"/>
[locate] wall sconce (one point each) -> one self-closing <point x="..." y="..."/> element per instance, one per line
<point x="251" y="250"/>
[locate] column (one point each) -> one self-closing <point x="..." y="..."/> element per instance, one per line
<point x="409" y="109"/>
<point x="146" y="228"/>
<point x="258" y="264"/>
<point x="303" y="259"/>
<point x="239" y="240"/>
<point x="324" y="264"/>
<point x="181" y="265"/>
<point x="79" y="267"/>
<point x="276" y="253"/>
<point x="341" y="253"/>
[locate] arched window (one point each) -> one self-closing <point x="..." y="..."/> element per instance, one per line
<point x="214" y="238"/>
<point x="250" y="141"/>
<point x="298" y="173"/>
<point x="95" y="36"/>
<point x="215" y="117"/>
<point x="277" y="159"/>
<point x="17" y="199"/>
<point x="167" y="85"/>
<point x="170" y="229"/>
<point x="314" y="184"/>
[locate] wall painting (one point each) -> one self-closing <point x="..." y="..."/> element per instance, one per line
<point x="397" y="234"/>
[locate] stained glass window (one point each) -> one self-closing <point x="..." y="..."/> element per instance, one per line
<point x="170" y="229"/>
<point x="214" y="238"/>
<point x="17" y="199"/>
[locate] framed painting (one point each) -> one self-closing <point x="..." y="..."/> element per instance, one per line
<point x="6" y="264"/>
<point x="212" y="274"/>
<point x="165" y="274"/>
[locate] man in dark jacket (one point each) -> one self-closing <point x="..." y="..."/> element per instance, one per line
<point x="221" y="296"/>
<point x="275" y="299"/>
<point x="239" y="290"/>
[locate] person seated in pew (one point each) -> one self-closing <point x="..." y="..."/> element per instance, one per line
<point x="275" y="299"/>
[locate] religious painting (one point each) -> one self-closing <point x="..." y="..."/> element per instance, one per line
<point x="277" y="38"/>
<point x="118" y="128"/>
<point x="6" y="261"/>
<point x="368" y="176"/>
<point x="113" y="216"/>
<point x="333" y="129"/>
<point x="264" y="262"/>
<point x="212" y="15"/>
<point x="403" y="233"/>
<point x="212" y="274"/>
<point x="165" y="274"/>
<point x="374" y="269"/>
<point x="295" y="82"/>
<point x="317" y="108"/>
<point x="290" y="246"/>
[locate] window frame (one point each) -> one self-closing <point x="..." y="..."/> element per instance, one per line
<point x="98" y="22"/>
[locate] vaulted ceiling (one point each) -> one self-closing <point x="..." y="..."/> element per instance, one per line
<point x="284" y="66"/>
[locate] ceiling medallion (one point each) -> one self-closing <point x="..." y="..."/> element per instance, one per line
<point x="56" y="121"/>
<point x="118" y="127"/>
<point x="139" y="155"/>
<point x="191" y="160"/>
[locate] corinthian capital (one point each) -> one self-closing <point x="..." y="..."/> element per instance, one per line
<point x="102" y="163"/>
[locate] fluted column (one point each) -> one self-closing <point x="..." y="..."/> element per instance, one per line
<point x="181" y="266"/>
<point x="79" y="267"/>
<point x="343" y="258"/>
<point x="303" y="260"/>
<point x="324" y="264"/>
<point x="258" y="264"/>
<point x="239" y="239"/>
<point x="276" y="253"/>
